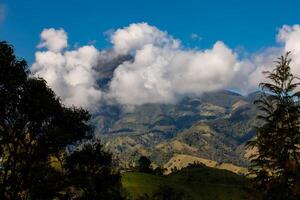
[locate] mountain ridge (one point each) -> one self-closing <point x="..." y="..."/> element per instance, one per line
<point x="213" y="126"/>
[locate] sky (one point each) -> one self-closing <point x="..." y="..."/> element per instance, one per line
<point x="178" y="48"/>
<point x="250" y="25"/>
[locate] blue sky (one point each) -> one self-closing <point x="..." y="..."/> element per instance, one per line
<point x="248" y="24"/>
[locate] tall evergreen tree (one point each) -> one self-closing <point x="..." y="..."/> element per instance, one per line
<point x="276" y="165"/>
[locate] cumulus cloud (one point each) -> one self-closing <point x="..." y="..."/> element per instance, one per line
<point x="251" y="71"/>
<point x="164" y="71"/>
<point x="161" y="75"/>
<point x="71" y="74"/>
<point x="136" y="36"/>
<point x="54" y="40"/>
<point x="290" y="37"/>
<point x="160" y="70"/>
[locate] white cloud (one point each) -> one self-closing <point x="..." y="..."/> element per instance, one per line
<point x="54" y="40"/>
<point x="263" y="61"/>
<point x="289" y="40"/>
<point x="160" y="75"/>
<point x="71" y="75"/>
<point x="161" y="70"/>
<point x="136" y="36"/>
<point x="290" y="37"/>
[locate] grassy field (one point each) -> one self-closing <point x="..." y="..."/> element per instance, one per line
<point x="198" y="183"/>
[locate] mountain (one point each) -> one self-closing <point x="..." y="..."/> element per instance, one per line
<point x="214" y="126"/>
<point x="106" y="65"/>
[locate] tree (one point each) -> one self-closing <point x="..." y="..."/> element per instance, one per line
<point x="33" y="126"/>
<point x="144" y="164"/>
<point x="35" y="131"/>
<point x="91" y="173"/>
<point x="159" y="171"/>
<point x="276" y="165"/>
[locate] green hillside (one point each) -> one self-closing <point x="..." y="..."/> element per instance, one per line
<point x="214" y="126"/>
<point x="197" y="183"/>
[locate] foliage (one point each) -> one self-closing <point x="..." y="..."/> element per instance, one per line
<point x="195" y="165"/>
<point x="90" y="169"/>
<point x="144" y="165"/>
<point x="276" y="166"/>
<point x="35" y="130"/>
<point x="159" y="171"/>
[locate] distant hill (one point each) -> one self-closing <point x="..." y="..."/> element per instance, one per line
<point x="214" y="126"/>
<point x="181" y="161"/>
<point x="196" y="183"/>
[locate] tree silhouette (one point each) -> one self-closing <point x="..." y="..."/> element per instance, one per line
<point x="35" y="130"/>
<point x="276" y="165"/>
<point x="144" y="165"/>
<point x="91" y="173"/>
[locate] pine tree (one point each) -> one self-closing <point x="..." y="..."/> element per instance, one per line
<point x="276" y="164"/>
